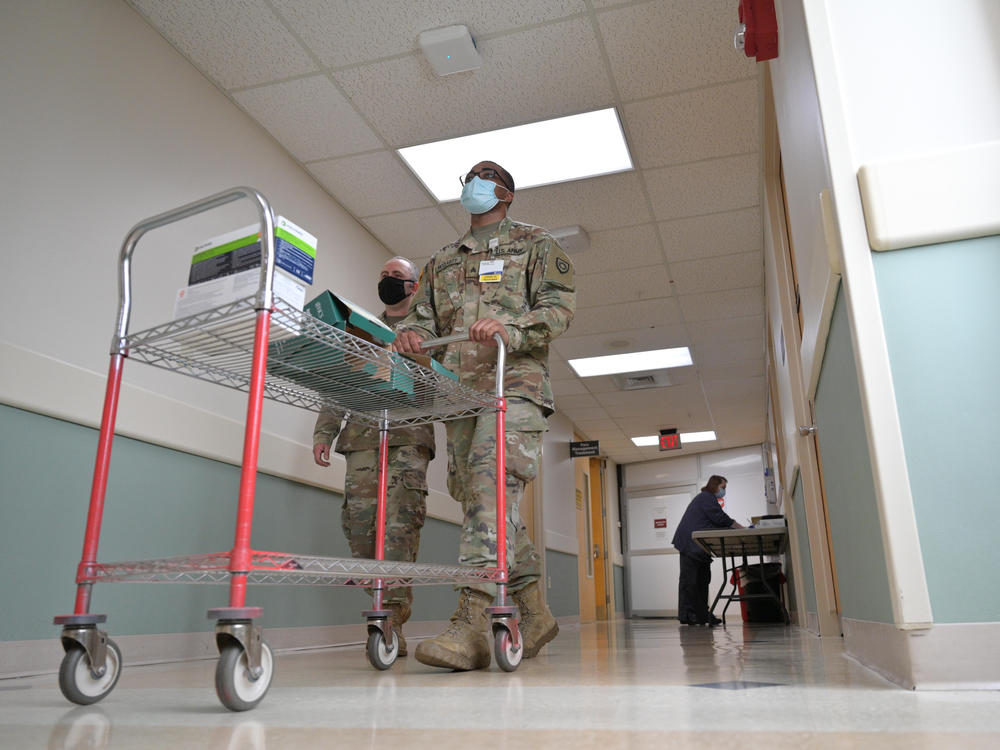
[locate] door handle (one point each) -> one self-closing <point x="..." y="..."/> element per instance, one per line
<point x="597" y="551"/>
<point x="806" y="430"/>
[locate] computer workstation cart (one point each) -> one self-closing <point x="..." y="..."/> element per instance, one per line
<point x="268" y="349"/>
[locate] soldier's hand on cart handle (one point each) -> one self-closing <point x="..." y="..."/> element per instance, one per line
<point x="484" y="329"/>
<point x="321" y="454"/>
<point x="408" y="342"/>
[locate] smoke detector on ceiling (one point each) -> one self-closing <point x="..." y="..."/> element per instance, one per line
<point x="572" y="239"/>
<point x="637" y="381"/>
<point x="450" y="50"/>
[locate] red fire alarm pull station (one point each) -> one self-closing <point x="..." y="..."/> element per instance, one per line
<point x="757" y="34"/>
<point x="669" y="440"/>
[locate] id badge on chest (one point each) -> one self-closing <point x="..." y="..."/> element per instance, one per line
<point x="490" y="271"/>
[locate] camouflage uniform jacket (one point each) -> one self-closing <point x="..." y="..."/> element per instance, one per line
<point x="535" y="299"/>
<point x="360" y="437"/>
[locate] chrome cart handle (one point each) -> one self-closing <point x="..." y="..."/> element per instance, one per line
<point x="266" y="295"/>
<point x="456" y="338"/>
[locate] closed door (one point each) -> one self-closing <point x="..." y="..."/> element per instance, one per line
<point x="653" y="564"/>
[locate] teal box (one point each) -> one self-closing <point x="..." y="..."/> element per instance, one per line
<point x="343" y="314"/>
<point x="425" y="360"/>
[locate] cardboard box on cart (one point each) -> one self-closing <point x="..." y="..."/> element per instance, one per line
<point x="312" y="362"/>
<point x="226" y="268"/>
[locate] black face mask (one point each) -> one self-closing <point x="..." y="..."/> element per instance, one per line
<point x="392" y="290"/>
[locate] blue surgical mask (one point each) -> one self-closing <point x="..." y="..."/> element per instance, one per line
<point x="721" y="492"/>
<point x="479" y="196"/>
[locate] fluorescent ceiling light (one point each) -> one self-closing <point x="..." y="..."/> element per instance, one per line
<point x="658" y="359"/>
<point x="642" y="442"/>
<point x="686" y="437"/>
<point x="540" y="153"/>
<point x="697" y="437"/>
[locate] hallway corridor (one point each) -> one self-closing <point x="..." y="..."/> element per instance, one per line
<point x="631" y="684"/>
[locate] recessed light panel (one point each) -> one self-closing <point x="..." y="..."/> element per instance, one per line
<point x="540" y="153"/>
<point x="658" y="359"/>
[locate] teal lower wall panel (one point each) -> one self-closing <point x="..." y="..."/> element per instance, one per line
<point x="162" y="502"/>
<point x="940" y="310"/>
<point x="563" y="597"/>
<point x="851" y="504"/>
<point x="618" y="572"/>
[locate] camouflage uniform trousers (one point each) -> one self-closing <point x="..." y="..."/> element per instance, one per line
<point x="405" y="512"/>
<point x="472" y="481"/>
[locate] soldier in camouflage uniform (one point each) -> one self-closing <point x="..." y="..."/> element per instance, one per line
<point x="512" y="279"/>
<point x="410" y="449"/>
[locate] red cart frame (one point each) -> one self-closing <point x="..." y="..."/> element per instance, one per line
<point x="264" y="347"/>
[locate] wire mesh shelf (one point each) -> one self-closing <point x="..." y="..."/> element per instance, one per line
<point x="310" y="364"/>
<point x="287" y="569"/>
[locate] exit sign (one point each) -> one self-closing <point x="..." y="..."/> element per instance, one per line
<point x="669" y="440"/>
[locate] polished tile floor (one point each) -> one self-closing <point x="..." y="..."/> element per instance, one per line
<point x="642" y="684"/>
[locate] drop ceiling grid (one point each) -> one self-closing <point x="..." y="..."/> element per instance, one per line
<point x="690" y="115"/>
<point x="379" y="29"/>
<point x="235" y="43"/>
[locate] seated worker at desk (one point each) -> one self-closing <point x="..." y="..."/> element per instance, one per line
<point x="703" y="512"/>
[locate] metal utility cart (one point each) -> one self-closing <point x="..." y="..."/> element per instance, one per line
<point x="264" y="347"/>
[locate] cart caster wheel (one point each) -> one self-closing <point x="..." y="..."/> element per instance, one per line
<point x="237" y="689"/>
<point x="79" y="684"/>
<point x="380" y="654"/>
<point x="507" y="657"/>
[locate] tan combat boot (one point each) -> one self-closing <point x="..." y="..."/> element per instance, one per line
<point x="537" y="624"/>
<point x="465" y="644"/>
<point x="400" y="614"/>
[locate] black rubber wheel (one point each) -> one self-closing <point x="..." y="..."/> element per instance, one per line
<point x="237" y="689"/>
<point x="507" y="657"/>
<point x="79" y="684"/>
<point x="380" y="654"/>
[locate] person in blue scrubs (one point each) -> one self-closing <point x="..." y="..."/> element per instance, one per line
<point x="703" y="512"/>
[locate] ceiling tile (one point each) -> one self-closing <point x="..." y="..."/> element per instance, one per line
<point x="705" y="187"/>
<point x="631" y="285"/>
<point x="568" y="387"/>
<point x="578" y="401"/>
<point x="599" y="203"/>
<point x="710" y="275"/>
<point x="728" y="304"/>
<point x="532" y="75"/>
<point x="309" y="117"/>
<point x="665" y="46"/>
<point x="367" y="184"/>
<point x="559" y="370"/>
<point x="731" y="329"/>
<point x="740" y="369"/>
<point x="734" y="389"/>
<point x="701" y="124"/>
<point x="572" y="347"/>
<point x="380" y="28"/>
<point x="617" y="249"/>
<point x="234" y="42"/>
<point x="583" y="414"/>
<point x="733" y="352"/>
<point x="717" y="234"/>
<point x="626" y="317"/>
<point x="413" y="234"/>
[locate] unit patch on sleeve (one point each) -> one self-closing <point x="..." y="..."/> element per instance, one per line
<point x="559" y="268"/>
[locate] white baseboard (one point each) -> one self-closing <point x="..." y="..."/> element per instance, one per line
<point x="949" y="656"/>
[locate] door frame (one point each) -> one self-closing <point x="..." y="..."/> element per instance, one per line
<point x="827" y="614"/>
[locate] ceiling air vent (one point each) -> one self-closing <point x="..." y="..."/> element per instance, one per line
<point x="636" y="381"/>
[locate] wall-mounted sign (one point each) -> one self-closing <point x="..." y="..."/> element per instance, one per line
<point x="585" y="448"/>
<point x="659" y="523"/>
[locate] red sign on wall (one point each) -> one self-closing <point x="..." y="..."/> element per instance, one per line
<point x="659" y="523"/>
